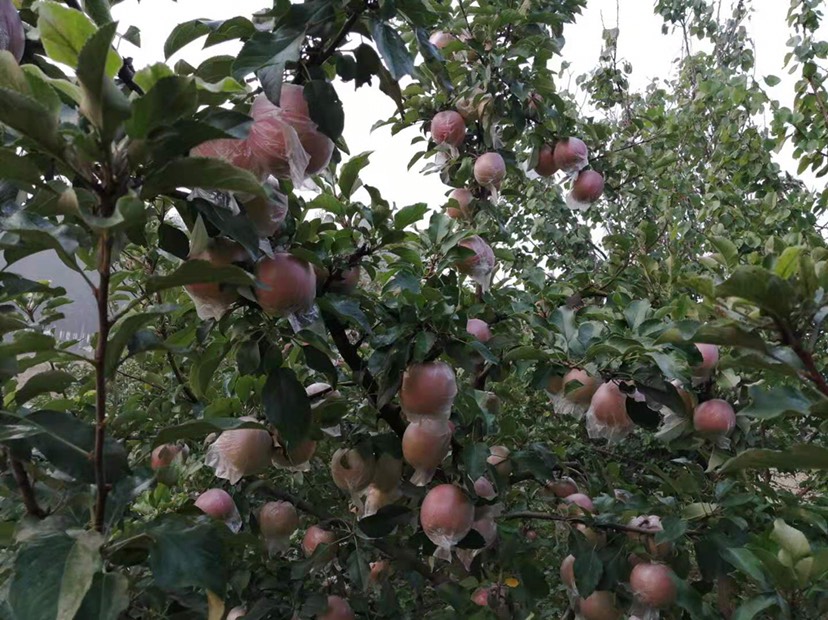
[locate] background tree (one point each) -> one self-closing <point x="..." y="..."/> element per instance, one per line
<point x="319" y="404"/>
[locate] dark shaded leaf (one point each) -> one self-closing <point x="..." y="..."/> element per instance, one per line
<point x="588" y="569"/>
<point x="269" y="50"/>
<point x="68" y="443"/>
<point x="184" y="555"/>
<point x="768" y="403"/>
<point x="199" y="271"/>
<point x="392" y="49"/>
<point x="286" y="405"/>
<point x="203" y="172"/>
<point x="325" y="108"/>
<point x="103" y="103"/>
<point x="198" y="429"/>
<point x="170" y="99"/>
<point x="53" y="574"/>
<point x="107" y="597"/>
<point x="44" y="383"/>
<point x="797" y="457"/>
<point x="384" y="521"/>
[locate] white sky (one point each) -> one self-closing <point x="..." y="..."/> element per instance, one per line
<point x="641" y="42"/>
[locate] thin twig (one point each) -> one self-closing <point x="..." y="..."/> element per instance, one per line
<point x="102" y="295"/>
<point x="140" y="380"/>
<point x="820" y="103"/>
<point x="180" y="378"/>
<point x="340" y="36"/>
<point x="792" y="340"/>
<point x="543" y="516"/>
<point x="350" y="354"/>
<point x="26" y="489"/>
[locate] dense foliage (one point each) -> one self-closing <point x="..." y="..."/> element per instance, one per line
<point x="273" y="328"/>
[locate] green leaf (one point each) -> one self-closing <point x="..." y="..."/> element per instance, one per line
<point x="474" y="459"/>
<point x="98" y="10"/>
<point x="37" y="233"/>
<point x="325" y="108"/>
<point x="129" y="212"/>
<point x="103" y="103"/>
<point x="588" y="570"/>
<point x="124" y="330"/>
<point x="173" y="240"/>
<point x="383" y="522"/>
<point x="392" y="49"/>
<point x="787" y="264"/>
<point x="358" y="569"/>
<point x="18" y="168"/>
<point x="320" y="362"/>
<point x="349" y="173"/>
<point x="347" y="309"/>
<point x="200" y="271"/>
<point x="753" y="607"/>
<point x="52" y="575"/>
<point x="533" y="579"/>
<point x="68" y="443"/>
<point x="286" y="405"/>
<point x="65" y="31"/>
<point x="761" y="287"/>
<point x="184" y="34"/>
<point x="198" y="429"/>
<point x="203" y="172"/>
<point x="327" y="202"/>
<point x="184" y="555"/>
<point x="271" y="51"/>
<point x="524" y="353"/>
<point x="12" y="75"/>
<point x="248" y="357"/>
<point x="636" y="313"/>
<point x="133" y="35"/>
<point x="44" y="383"/>
<point x="170" y="99"/>
<point x="728" y="250"/>
<point x="32" y="119"/>
<point x="798" y="456"/>
<point x="410" y="214"/>
<point x="107" y="597"/>
<point x="203" y="369"/>
<point x="771" y="402"/>
<point x="149" y="75"/>
<point x="746" y="562"/>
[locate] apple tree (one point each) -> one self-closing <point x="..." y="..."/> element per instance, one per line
<point x="591" y="384"/>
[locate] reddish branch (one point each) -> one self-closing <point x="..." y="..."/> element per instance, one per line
<point x="543" y="516"/>
<point x="102" y="298"/>
<point x="789" y="338"/>
<point x="26" y="489"/>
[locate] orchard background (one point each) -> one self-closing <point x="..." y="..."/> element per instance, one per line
<point x="591" y="384"/>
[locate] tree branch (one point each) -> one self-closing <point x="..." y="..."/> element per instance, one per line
<point x="340" y="36"/>
<point x="543" y="516"/>
<point x="26" y="489"/>
<point x="792" y="340"/>
<point x="180" y="378"/>
<point x="102" y="296"/>
<point x="350" y="354"/>
<point x="820" y="103"/>
<point x="410" y="560"/>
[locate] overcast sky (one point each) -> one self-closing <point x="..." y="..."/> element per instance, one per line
<point x="641" y="42"/>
